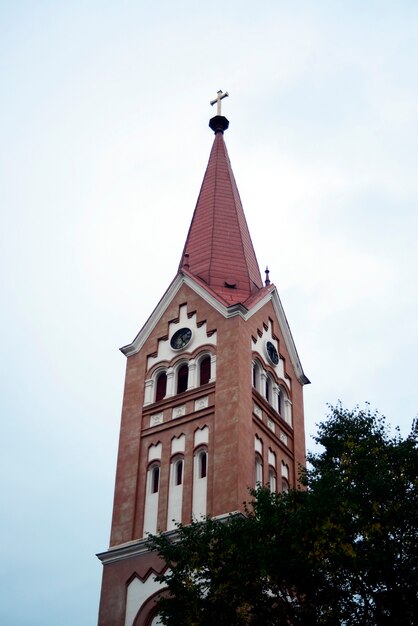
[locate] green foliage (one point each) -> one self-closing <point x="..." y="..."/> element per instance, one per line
<point x="340" y="551"/>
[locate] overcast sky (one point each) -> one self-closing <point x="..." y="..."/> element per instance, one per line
<point x="104" y="109"/>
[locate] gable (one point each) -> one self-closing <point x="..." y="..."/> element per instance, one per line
<point x="227" y="312"/>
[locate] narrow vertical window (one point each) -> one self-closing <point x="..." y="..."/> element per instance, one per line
<point x="151" y="499"/>
<point x="179" y="472"/>
<point x="203" y="464"/>
<point x="161" y="386"/>
<point x="268" y="389"/>
<point x="258" y="471"/>
<point x="200" y="470"/>
<point x="256" y="375"/>
<point x="272" y="480"/>
<point x="205" y="370"/>
<point x="279" y="402"/>
<point x="182" y="378"/>
<point x="155" y="479"/>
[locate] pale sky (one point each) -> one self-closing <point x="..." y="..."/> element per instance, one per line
<point x="104" y="109"/>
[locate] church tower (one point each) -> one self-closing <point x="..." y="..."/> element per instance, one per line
<point x="213" y="396"/>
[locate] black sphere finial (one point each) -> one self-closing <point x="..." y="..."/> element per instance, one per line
<point x="218" y="124"/>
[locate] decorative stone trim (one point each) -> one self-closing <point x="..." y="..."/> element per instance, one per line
<point x="178" y="411"/>
<point x="283" y="438"/>
<point x="258" y="411"/>
<point x="201" y="403"/>
<point x="156" y="419"/>
<point x="271" y="425"/>
<point x="226" y="312"/>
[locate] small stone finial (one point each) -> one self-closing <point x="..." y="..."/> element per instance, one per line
<point x="267" y="281"/>
<point x="220" y="96"/>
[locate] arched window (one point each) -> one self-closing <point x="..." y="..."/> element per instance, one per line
<point x="151" y="499"/>
<point x="202" y="464"/>
<point x="155" y="479"/>
<point x="285" y="406"/>
<point x="200" y="480"/>
<point x="258" y="471"/>
<point x="285" y="477"/>
<point x="204" y="370"/>
<point x="268" y="389"/>
<point x="279" y="402"/>
<point x="175" y="492"/>
<point x="256" y="375"/>
<point x="182" y="378"/>
<point x="272" y="480"/>
<point x="161" y="386"/>
<point x="178" y="472"/>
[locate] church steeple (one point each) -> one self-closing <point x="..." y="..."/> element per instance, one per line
<point x="218" y="250"/>
<point x="213" y="397"/>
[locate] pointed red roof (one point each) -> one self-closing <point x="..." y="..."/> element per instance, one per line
<point x="218" y="248"/>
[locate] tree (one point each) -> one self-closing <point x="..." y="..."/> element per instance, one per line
<point x="339" y="550"/>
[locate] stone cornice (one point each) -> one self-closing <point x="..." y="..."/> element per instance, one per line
<point x="140" y="546"/>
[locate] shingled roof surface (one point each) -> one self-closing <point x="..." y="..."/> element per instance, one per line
<point x="219" y="248"/>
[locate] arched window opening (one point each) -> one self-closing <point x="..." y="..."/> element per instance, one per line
<point x="272" y="480"/>
<point x="182" y="378"/>
<point x="200" y="470"/>
<point x="279" y="402"/>
<point x="268" y="389"/>
<point x="285" y="485"/>
<point x="203" y="464"/>
<point x="256" y="375"/>
<point x="204" y="370"/>
<point x="178" y="472"/>
<point x="155" y="479"/>
<point x="161" y="388"/>
<point x="258" y="471"/>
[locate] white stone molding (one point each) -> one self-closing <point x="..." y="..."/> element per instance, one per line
<point x="199" y="338"/>
<point x="149" y="387"/>
<point x="151" y="502"/>
<point x="227" y="312"/>
<point x="263" y="378"/>
<point x="272" y="458"/>
<point x="201" y="436"/>
<point x="271" y="425"/>
<point x="201" y="403"/>
<point x="258" y="411"/>
<point x="170" y="383"/>
<point x="212" y="368"/>
<point x="154" y="452"/>
<point x="199" y="501"/>
<point x="178" y="444"/>
<point x="191" y="382"/>
<point x="275" y="397"/>
<point x="288" y="411"/>
<point x="283" y="438"/>
<point x="175" y="494"/>
<point x="137" y="593"/>
<point x="258" y="445"/>
<point x="178" y="411"/>
<point x="156" y="419"/>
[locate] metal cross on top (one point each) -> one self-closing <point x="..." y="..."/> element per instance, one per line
<point x="218" y="99"/>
